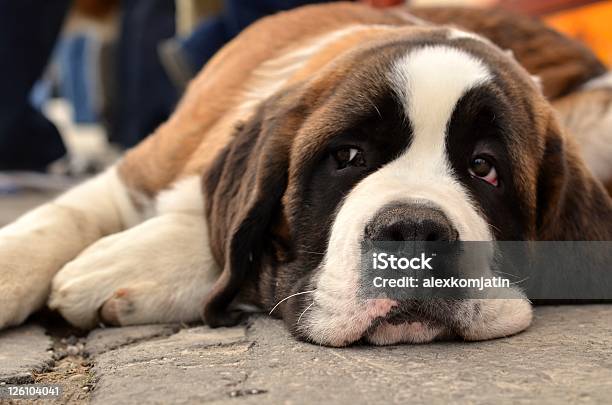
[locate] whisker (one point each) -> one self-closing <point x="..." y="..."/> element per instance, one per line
<point x="291" y="296"/>
<point x="520" y="281"/>
<point x="375" y="107"/>
<point x="313" y="253"/>
<point x="506" y="273"/>
<point x="495" y="227"/>
<point x="307" y="308"/>
<point x="377" y="110"/>
<point x="304" y="248"/>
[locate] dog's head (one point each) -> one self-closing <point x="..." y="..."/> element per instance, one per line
<point x="415" y="134"/>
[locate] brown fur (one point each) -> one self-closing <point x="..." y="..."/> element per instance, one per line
<point x="199" y="128"/>
<point x="253" y="187"/>
<point x="251" y="169"/>
<point x="587" y="114"/>
<point x="560" y="62"/>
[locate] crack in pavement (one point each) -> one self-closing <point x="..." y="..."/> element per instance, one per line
<point x="563" y="357"/>
<point x="103" y="340"/>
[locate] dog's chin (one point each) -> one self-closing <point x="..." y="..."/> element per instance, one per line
<point x="385" y="324"/>
<point x="494" y="319"/>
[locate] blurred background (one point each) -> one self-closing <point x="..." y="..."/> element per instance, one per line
<point x="82" y="80"/>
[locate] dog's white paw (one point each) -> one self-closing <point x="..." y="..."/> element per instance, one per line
<point x="15" y="304"/>
<point x="15" y="301"/>
<point x="32" y="250"/>
<point x="159" y="271"/>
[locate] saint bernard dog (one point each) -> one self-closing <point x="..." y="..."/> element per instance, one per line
<point x="314" y="130"/>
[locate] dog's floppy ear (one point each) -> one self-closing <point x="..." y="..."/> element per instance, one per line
<point x="243" y="191"/>
<point x="571" y="203"/>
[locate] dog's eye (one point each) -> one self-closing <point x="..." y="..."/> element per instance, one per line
<point x="482" y="168"/>
<point x="349" y="157"/>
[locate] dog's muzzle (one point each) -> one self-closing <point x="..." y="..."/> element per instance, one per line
<point x="417" y="227"/>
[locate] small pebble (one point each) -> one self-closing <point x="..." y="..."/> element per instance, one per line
<point x="72" y="350"/>
<point x="77" y="378"/>
<point x="65" y="366"/>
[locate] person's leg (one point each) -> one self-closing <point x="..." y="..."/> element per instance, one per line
<point x="146" y="97"/>
<point x="28" y="31"/>
<point x="238" y="14"/>
<point x="204" y="42"/>
<point x="196" y="49"/>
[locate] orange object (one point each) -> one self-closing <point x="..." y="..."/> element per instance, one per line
<point x="97" y="9"/>
<point x="591" y="24"/>
<point x="383" y="3"/>
<point x="542" y="7"/>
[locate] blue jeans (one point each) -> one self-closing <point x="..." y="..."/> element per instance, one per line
<point x="145" y="96"/>
<point x="28" y="31"/>
<point x="214" y="32"/>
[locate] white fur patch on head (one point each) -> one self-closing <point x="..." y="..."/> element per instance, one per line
<point x="456" y="33"/>
<point x="429" y="81"/>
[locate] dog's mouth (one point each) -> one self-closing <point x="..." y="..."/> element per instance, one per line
<point x="420" y="311"/>
<point x="338" y="316"/>
<point x="415" y="322"/>
<point x="386" y="322"/>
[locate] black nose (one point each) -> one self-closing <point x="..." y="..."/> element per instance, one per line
<point x="410" y="222"/>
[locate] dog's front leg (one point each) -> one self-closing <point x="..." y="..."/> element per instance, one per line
<point x="158" y="271"/>
<point x="37" y="245"/>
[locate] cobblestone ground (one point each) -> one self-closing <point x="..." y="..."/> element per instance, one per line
<point x="565" y="357"/>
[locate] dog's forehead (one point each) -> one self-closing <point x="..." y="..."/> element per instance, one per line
<point x="425" y="75"/>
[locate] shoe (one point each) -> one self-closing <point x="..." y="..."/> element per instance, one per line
<point x="175" y="63"/>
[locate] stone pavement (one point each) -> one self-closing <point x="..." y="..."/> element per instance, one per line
<point x="565" y="357"/>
